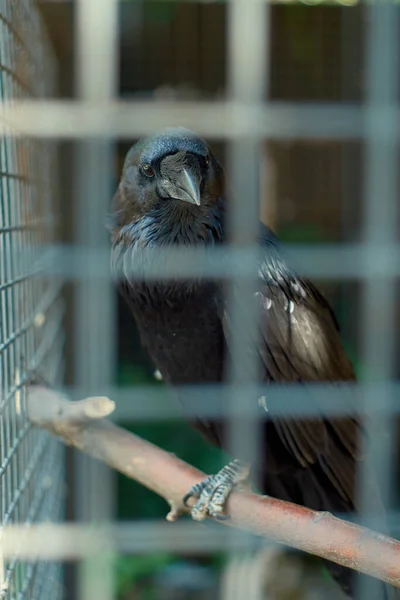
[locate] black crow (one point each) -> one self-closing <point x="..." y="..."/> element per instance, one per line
<point x="172" y="191"/>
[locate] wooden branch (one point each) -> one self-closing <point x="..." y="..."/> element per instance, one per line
<point x="45" y="406"/>
<point x="318" y="533"/>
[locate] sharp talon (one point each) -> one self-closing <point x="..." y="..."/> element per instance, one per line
<point x="186" y="498"/>
<point x="223" y="517"/>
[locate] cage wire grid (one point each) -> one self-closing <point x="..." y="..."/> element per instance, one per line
<point x="245" y="119"/>
<point x="31" y="308"/>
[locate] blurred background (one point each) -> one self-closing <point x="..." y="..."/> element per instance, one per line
<point x="311" y="192"/>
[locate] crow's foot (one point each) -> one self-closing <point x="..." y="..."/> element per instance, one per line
<point x="214" y="490"/>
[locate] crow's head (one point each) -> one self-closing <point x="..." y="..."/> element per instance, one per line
<point x="172" y="174"/>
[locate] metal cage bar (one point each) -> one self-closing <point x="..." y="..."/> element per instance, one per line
<point x="96" y="67"/>
<point x="214" y="120"/>
<point x="380" y="224"/>
<point x="248" y="43"/>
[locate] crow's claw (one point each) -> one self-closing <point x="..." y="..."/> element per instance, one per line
<point x="214" y="490"/>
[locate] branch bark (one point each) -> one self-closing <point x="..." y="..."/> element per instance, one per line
<point x="319" y="533"/>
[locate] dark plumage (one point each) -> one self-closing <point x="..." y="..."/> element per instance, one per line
<point x="172" y="192"/>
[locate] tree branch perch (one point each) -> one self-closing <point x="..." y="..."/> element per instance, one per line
<point x="81" y="425"/>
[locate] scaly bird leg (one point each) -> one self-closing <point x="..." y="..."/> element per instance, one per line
<point x="214" y="490"/>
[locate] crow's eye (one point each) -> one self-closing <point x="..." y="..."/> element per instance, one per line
<point x="207" y="160"/>
<point x="148" y="170"/>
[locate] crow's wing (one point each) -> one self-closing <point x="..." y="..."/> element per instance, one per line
<point x="300" y="343"/>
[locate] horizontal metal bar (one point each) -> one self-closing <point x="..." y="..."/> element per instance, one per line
<point x="322" y="261"/>
<point x="348" y="3"/>
<point x="73" y="542"/>
<point x="216" y="120"/>
<point x="159" y="403"/>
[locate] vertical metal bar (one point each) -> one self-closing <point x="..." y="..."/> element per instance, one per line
<point x="96" y="71"/>
<point x="380" y="193"/>
<point x="248" y="23"/>
<point x="248" y="62"/>
<point x="96" y="47"/>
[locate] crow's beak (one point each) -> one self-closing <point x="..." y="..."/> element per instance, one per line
<point x="185" y="186"/>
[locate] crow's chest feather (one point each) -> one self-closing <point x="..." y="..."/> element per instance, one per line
<point x="181" y="330"/>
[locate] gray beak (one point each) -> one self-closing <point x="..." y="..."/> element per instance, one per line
<point x="185" y="186"/>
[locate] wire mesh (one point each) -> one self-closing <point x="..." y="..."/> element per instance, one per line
<point x="31" y="309"/>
